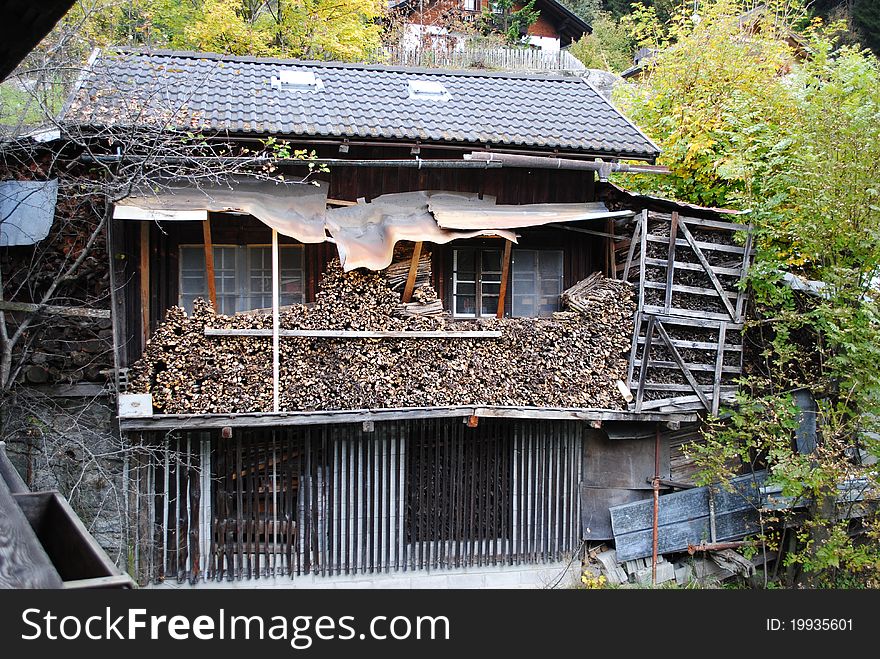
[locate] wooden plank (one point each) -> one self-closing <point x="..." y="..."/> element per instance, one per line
<point x="637" y="328"/>
<point x="667" y="386"/>
<point x="352" y="334"/>
<point x="700" y="345"/>
<point x="719" y="364"/>
<point x="632" y="245"/>
<point x="670" y="263"/>
<point x="716" y="224"/>
<point x="209" y="262"/>
<point x="683" y="402"/>
<point x="696" y="267"/>
<point x="684" y="518"/>
<point x="646" y="360"/>
<point x="708" y="268"/>
<point x="505" y="275"/>
<point x="413" y="272"/>
<point x="698" y="321"/>
<point x="79" y="390"/>
<point x="710" y="247"/>
<point x="144" y="274"/>
<point x="23" y="561"/>
<point x="114" y="581"/>
<point x="268" y="419"/>
<point x="695" y="290"/>
<point x="672" y="365"/>
<point x="676" y="356"/>
<point x="741" y="293"/>
<point x="53" y="309"/>
<point x="643" y="255"/>
<point x="690" y="313"/>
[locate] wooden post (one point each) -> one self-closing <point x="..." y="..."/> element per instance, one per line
<point x="209" y="263"/>
<point x="670" y="263"/>
<point x="276" y="361"/>
<point x="505" y="275"/>
<point x="413" y="273"/>
<point x="145" y="282"/>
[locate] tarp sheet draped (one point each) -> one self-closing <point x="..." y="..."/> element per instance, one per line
<point x="365" y="234"/>
<point x="26" y="211"/>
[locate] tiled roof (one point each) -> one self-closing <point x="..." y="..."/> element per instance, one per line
<point x="236" y="95"/>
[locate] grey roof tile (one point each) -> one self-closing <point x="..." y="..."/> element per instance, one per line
<point x="235" y="94"/>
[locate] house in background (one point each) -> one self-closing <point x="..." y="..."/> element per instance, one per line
<point x="472" y="451"/>
<point x="441" y="24"/>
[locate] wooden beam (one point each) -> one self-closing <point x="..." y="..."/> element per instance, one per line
<point x="114" y="581"/>
<point x="708" y="268"/>
<point x="145" y="282"/>
<point x="209" y="263"/>
<point x="356" y="334"/>
<point x="266" y="419"/>
<point x="505" y="275"/>
<point x="706" y="247"/>
<point x="696" y="267"/>
<point x="413" y="273"/>
<point x="55" y="310"/>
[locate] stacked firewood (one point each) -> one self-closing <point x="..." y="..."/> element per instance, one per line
<point x="570" y="360"/>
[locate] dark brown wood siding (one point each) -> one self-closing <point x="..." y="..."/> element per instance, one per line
<point x="509" y="186"/>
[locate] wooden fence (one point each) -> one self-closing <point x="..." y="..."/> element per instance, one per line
<point x="501" y="59"/>
<point x="330" y="500"/>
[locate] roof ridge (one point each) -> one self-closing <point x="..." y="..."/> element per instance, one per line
<point x="362" y="66"/>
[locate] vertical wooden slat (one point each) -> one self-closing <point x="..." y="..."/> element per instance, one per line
<point x="646" y="357"/>
<point x="741" y="293"/>
<point x="719" y="363"/>
<point x="144" y="269"/>
<point x="209" y="262"/>
<point x="670" y="262"/>
<point x="239" y="502"/>
<point x="505" y="276"/>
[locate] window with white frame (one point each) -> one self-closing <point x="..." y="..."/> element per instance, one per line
<point x="242" y="275"/>
<point x="476" y="281"/>
<point x="536" y="281"/>
<point x="472" y="5"/>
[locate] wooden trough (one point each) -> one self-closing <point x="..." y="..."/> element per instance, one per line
<point x="44" y="544"/>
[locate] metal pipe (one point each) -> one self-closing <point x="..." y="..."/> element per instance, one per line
<point x="715" y="546"/>
<point x="543" y="162"/>
<point x="473" y="160"/>
<point x="259" y="161"/>
<point x="656" y="487"/>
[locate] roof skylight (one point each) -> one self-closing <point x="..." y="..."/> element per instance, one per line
<point x="297" y="80"/>
<point x="427" y="90"/>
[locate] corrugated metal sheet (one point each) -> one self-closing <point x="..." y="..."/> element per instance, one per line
<point x="26" y="211"/>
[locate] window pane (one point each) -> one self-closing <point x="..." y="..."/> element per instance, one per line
<point x="490" y="305"/>
<point x="537" y="282"/>
<point x="467" y="288"/>
<point x="463" y="260"/>
<point x="465" y="305"/>
<point x="490" y="261"/>
<point x="491" y="289"/>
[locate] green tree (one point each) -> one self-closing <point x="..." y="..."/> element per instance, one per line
<point x="744" y="123"/>
<point x="610" y="46"/>
<point x="503" y="17"/>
